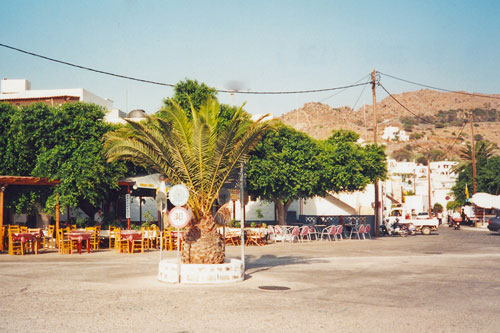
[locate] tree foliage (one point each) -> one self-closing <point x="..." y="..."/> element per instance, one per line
<point x="487" y="171"/>
<point x="287" y="165"/>
<point x="63" y="143"/>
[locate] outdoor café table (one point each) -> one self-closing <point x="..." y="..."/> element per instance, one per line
<point x="130" y="236"/>
<point x="25" y="237"/>
<point x="79" y="236"/>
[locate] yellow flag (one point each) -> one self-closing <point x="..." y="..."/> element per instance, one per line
<point x="466" y="192"/>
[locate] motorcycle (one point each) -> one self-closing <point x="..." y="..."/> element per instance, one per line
<point x="457" y="225"/>
<point x="397" y="229"/>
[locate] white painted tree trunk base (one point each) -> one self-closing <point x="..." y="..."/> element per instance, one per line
<point x="228" y="272"/>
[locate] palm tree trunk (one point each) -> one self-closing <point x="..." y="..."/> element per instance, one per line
<point x="203" y="244"/>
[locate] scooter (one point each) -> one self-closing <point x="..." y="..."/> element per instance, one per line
<point x="457" y="225"/>
<point x="396" y="229"/>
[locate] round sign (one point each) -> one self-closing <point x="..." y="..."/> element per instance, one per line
<point x="224" y="196"/>
<point x="161" y="201"/>
<point x="178" y="217"/>
<point x="178" y="195"/>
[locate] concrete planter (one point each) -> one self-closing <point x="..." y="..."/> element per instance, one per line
<point x="230" y="271"/>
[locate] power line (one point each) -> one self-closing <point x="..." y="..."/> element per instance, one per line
<point x="337" y="93"/>
<point x="173" y="85"/>
<point x="456" y="138"/>
<point x="423" y="119"/>
<point x="441" y="89"/>
<point x="404" y="107"/>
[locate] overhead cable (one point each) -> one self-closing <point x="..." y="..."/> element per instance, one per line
<point x="441" y="89"/>
<point x="339" y="92"/>
<point x="456" y="138"/>
<point x="404" y="107"/>
<point x="173" y="85"/>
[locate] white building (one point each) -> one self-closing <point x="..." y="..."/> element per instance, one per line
<point x="18" y="92"/>
<point x="393" y="133"/>
<point x="411" y="178"/>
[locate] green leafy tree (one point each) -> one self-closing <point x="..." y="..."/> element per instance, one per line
<point x="287" y="165"/>
<point x="199" y="152"/>
<point x="189" y="94"/>
<point x="284" y="166"/>
<point x="63" y="143"/>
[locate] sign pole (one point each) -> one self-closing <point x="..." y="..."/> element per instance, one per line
<point x="242" y="224"/>
<point x="178" y="256"/>
<point x="161" y="235"/>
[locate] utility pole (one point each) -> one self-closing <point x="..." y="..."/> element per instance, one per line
<point x="473" y="153"/>
<point x="429" y="180"/>
<point x="377" y="203"/>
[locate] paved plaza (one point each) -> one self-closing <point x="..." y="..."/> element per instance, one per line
<point x="446" y="282"/>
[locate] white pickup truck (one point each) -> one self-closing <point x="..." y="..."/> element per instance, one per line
<point x="424" y="225"/>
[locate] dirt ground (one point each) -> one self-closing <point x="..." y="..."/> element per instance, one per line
<point x="446" y="282"/>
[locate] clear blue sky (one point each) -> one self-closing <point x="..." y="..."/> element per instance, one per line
<point x="265" y="45"/>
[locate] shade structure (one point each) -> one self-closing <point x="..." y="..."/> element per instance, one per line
<point x="486" y="200"/>
<point x="23" y="180"/>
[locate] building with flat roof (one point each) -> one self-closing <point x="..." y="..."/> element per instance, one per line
<point x="18" y="92"/>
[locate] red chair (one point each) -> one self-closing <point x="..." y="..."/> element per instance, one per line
<point x="304" y="234"/>
<point x="338" y="232"/>
<point x="329" y="232"/>
<point x="357" y="230"/>
<point x="366" y="231"/>
<point x="294" y="234"/>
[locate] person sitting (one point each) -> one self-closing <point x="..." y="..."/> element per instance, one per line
<point x="98" y="217"/>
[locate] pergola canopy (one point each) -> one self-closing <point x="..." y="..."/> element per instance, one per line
<point x="24" y="180"/>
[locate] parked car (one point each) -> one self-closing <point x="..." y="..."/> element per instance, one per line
<point x="494" y="224"/>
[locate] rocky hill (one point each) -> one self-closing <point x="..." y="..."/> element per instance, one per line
<point x="437" y="119"/>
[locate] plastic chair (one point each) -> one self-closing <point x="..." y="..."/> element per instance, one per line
<point x="270" y="233"/>
<point x="366" y="231"/>
<point x="357" y="230"/>
<point x="338" y="232"/>
<point x="304" y="234"/>
<point x="279" y="234"/>
<point x="294" y="234"/>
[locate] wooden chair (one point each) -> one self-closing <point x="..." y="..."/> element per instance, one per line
<point x="15" y="247"/>
<point x="139" y="244"/>
<point x="23" y="228"/>
<point x="95" y="238"/>
<point x="65" y="244"/>
<point x="168" y="242"/>
<point x="49" y="238"/>
<point x="121" y="245"/>
<point x="112" y="236"/>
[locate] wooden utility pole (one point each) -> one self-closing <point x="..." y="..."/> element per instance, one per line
<point x="377" y="203"/>
<point x="473" y="153"/>
<point x="429" y="180"/>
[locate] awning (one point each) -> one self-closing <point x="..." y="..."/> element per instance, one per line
<point x="486" y="200"/>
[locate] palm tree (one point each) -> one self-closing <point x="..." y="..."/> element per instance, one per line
<point x="200" y="153"/>
<point x="484" y="149"/>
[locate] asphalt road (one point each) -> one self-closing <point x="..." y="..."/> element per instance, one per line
<point x="446" y="282"/>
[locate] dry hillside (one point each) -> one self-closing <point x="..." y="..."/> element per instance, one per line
<point x="439" y="119"/>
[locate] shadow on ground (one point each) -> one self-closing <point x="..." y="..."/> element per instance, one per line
<point x="266" y="262"/>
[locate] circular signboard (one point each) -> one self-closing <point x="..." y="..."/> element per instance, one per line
<point x="161" y="201"/>
<point x="178" y="195"/>
<point x="178" y="217"/>
<point x="224" y="196"/>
